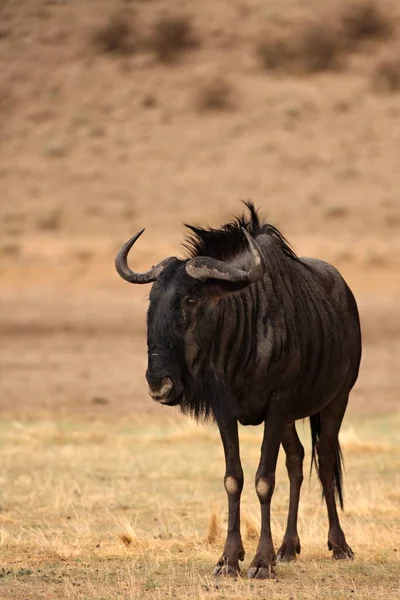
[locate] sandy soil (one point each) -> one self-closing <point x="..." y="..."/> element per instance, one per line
<point x="86" y="160"/>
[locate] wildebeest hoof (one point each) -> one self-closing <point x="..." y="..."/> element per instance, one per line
<point x="224" y="570"/>
<point x="285" y="556"/>
<point x="341" y="551"/>
<point x="346" y="554"/>
<point x="261" y="573"/>
<point x="287" y="552"/>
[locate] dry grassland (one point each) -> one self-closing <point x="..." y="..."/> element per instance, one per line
<point x="115" y="116"/>
<point x="137" y="510"/>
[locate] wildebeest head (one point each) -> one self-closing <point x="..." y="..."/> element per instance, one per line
<point x="181" y="295"/>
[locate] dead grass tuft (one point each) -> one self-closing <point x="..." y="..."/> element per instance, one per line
<point x="214" y="529"/>
<point x="117" y="36"/>
<point x="126" y="539"/>
<point x="365" y="20"/>
<point x="216" y="95"/>
<point x="251" y="529"/>
<point x="171" y="37"/>
<point x="386" y="75"/>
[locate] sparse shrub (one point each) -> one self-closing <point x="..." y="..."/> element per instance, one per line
<point x="364" y="20"/>
<point x="52" y="221"/>
<point x="276" y="52"/>
<point x="319" y="48"/>
<point x="10" y="249"/>
<point x="336" y="212"/>
<point x="386" y="75"/>
<point x="312" y="48"/>
<point x="149" y="101"/>
<point x="117" y="36"/>
<point x="216" y="95"/>
<point x="323" y="44"/>
<point x="170" y="37"/>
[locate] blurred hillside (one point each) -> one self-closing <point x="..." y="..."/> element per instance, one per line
<point x="122" y="115"/>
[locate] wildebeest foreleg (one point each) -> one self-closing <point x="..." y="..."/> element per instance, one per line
<point x="262" y="565"/>
<point x="233" y="551"/>
<point x="294" y="464"/>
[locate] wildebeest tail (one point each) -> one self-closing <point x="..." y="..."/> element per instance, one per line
<point x="315" y="422"/>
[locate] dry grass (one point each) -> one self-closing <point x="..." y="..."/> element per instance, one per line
<point x="171" y="37"/>
<point x="102" y="510"/>
<point x="214" y="529"/>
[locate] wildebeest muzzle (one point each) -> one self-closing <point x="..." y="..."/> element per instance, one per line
<point x="162" y="388"/>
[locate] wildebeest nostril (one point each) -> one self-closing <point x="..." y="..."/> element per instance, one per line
<point x="161" y="392"/>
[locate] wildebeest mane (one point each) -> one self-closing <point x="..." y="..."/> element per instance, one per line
<point x="228" y="241"/>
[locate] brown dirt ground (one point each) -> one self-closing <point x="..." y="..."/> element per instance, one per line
<point x="86" y="160"/>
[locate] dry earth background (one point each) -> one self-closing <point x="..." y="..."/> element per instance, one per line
<point x="108" y="123"/>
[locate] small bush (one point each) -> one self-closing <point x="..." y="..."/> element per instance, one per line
<point x="116" y="36"/>
<point x="52" y="221"/>
<point x="318" y="49"/>
<point x="171" y="36"/>
<point x="276" y="52"/>
<point x="10" y="249"/>
<point x="386" y="76"/>
<point x="312" y="48"/>
<point x="216" y="95"/>
<point x="364" y="20"/>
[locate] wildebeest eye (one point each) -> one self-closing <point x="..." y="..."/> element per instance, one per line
<point x="191" y="301"/>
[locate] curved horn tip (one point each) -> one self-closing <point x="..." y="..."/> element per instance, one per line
<point x="138" y="234"/>
<point x="128" y="245"/>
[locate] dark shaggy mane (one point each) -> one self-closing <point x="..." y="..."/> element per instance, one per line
<point x="228" y="241"/>
<point x="206" y="399"/>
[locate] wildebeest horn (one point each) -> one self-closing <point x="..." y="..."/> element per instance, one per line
<point x="210" y="268"/>
<point x="121" y="264"/>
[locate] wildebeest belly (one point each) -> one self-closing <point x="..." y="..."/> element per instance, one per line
<point x="300" y="408"/>
<point x="253" y="419"/>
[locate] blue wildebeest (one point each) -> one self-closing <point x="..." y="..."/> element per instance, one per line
<point x="245" y="331"/>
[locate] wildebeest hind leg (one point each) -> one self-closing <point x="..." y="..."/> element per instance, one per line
<point x="330" y="473"/>
<point x="294" y="464"/>
<point x="233" y="550"/>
